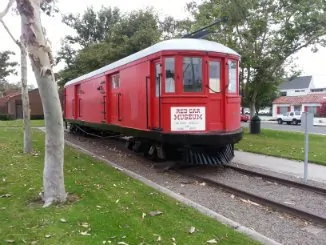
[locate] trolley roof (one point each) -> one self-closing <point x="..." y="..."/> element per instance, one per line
<point x="183" y="44"/>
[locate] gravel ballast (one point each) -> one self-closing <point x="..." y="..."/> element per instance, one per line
<point x="290" y="196"/>
<point x="278" y="226"/>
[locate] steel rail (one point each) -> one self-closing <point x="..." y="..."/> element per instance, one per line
<point x="291" y="183"/>
<point x="297" y="212"/>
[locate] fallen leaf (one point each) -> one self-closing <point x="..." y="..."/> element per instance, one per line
<point x="117" y="201"/>
<point x="63" y="220"/>
<point x="212" y="241"/>
<point x="5" y="195"/>
<point x="173" y="239"/>
<point x="192" y="229"/>
<point x="122" y="243"/>
<point x="243" y="200"/>
<point x="155" y="213"/>
<point x="47" y="236"/>
<point x="290" y="203"/>
<point x="158" y="237"/>
<point x="253" y="203"/>
<point x="84" y="233"/>
<point x="85" y="225"/>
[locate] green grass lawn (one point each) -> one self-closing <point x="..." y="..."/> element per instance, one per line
<point x="19" y="123"/>
<point x="107" y="206"/>
<point x="284" y="144"/>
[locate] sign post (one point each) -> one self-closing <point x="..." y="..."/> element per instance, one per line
<point x="307" y="122"/>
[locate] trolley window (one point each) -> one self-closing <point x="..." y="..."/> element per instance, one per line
<point x="192" y="74"/>
<point x="115" y="81"/>
<point x="169" y="75"/>
<point x="214" y="77"/>
<point x="232" y="76"/>
<point x="158" y="74"/>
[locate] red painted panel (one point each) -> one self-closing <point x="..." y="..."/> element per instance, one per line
<point x="289" y="108"/>
<point x="91" y="105"/>
<point x="222" y="109"/>
<point x="232" y="113"/>
<point x="68" y="104"/>
<point x="278" y="110"/>
<point x="215" y="105"/>
<point x="306" y="108"/>
<point x="156" y="94"/>
<point x="133" y="96"/>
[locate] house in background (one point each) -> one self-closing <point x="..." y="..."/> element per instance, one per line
<point x="297" y="86"/>
<point x="308" y="103"/>
<point x="11" y="105"/>
<point x="318" y="90"/>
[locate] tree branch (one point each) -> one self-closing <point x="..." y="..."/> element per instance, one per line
<point x="2" y="14"/>
<point x="10" y="34"/>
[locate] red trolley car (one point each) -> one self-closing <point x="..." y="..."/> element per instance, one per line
<point x="178" y="99"/>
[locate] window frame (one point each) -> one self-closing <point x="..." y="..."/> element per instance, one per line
<point x="236" y="92"/>
<point x="203" y="71"/>
<point x="163" y="76"/>
<point x="207" y="85"/>
<point x="112" y="80"/>
<point x="158" y="89"/>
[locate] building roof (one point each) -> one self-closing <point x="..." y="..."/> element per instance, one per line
<point x="172" y="44"/>
<point x="6" y="98"/>
<point x="296" y="83"/>
<point x="10" y="92"/>
<point x="299" y="100"/>
<point x="318" y="89"/>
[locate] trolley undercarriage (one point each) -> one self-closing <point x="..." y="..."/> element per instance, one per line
<point x="184" y="155"/>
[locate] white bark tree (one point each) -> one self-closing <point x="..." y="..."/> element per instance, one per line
<point x="39" y="51"/>
<point x="24" y="91"/>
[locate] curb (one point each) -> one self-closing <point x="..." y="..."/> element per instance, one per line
<point x="236" y="226"/>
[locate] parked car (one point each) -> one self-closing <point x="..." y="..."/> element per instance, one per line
<point x="292" y="117"/>
<point x="244" y="118"/>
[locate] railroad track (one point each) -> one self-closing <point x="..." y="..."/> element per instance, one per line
<point x="245" y="194"/>
<point x="300" y="212"/>
<point x="282" y="181"/>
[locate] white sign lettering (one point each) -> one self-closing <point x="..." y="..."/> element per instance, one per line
<point x="188" y="119"/>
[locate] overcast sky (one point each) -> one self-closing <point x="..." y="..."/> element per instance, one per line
<point x="311" y="63"/>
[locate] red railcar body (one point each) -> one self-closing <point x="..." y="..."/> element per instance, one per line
<point x="177" y="94"/>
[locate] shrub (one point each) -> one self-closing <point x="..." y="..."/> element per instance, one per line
<point x="6" y="117"/>
<point x="37" y="117"/>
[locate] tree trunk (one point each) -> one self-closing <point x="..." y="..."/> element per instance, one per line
<point x="252" y="109"/>
<point x="253" y="104"/>
<point x="25" y="100"/>
<point x="41" y="60"/>
<point x="24" y="88"/>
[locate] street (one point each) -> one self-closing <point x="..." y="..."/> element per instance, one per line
<point x="294" y="128"/>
